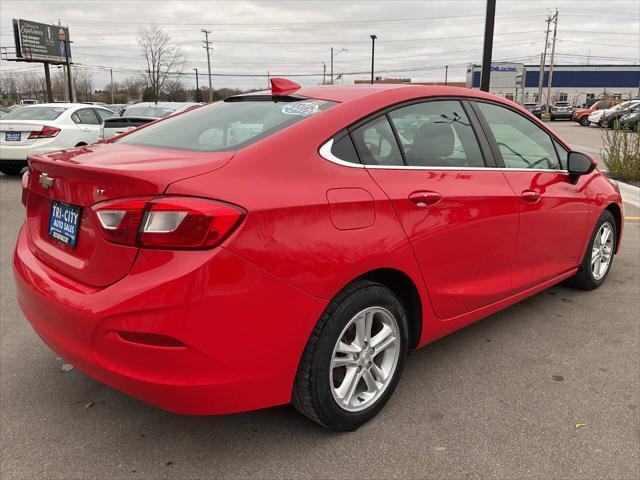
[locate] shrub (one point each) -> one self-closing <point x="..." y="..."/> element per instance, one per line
<point x="621" y="153"/>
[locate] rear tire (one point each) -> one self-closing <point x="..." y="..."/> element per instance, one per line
<point x="592" y="273"/>
<point x="584" y="121"/>
<point x="343" y="379"/>
<point x="12" y="170"/>
<point x="552" y="118"/>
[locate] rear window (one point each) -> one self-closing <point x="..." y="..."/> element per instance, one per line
<point x="227" y="125"/>
<point x="151" y="111"/>
<point x="35" y="113"/>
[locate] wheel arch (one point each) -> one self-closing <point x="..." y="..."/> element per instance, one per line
<point x="81" y="144"/>
<point x="614" y="208"/>
<point x="406" y="290"/>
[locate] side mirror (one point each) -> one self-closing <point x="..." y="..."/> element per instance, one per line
<point x="580" y="164"/>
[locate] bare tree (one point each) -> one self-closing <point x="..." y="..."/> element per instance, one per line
<point x="163" y="59"/>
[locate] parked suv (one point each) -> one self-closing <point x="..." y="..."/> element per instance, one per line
<point x="534" y="108"/>
<point x="561" y="110"/>
<point x="581" y="115"/>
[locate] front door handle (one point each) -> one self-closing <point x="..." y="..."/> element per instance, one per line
<point x="530" y="196"/>
<point x="424" y="198"/>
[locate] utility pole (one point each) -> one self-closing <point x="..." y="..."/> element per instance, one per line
<point x="446" y="74"/>
<point x="47" y="81"/>
<point x="373" y="53"/>
<point x="553" y="51"/>
<point x="72" y="97"/>
<point x="208" y="48"/>
<point x="543" y="60"/>
<point x="197" y="86"/>
<point x="111" y="74"/>
<point x="331" y="74"/>
<point x="324" y="73"/>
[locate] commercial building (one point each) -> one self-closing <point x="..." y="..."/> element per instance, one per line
<point x="576" y="83"/>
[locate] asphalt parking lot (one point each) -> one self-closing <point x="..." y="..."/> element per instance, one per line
<point x="548" y="388"/>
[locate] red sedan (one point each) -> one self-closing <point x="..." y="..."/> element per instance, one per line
<point x="294" y="245"/>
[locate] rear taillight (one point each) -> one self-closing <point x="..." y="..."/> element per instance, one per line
<point x="167" y="222"/>
<point x="46" y="132"/>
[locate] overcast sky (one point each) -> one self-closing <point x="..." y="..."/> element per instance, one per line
<point x="416" y="39"/>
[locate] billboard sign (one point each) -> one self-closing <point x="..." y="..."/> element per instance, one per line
<point x="40" y="42"/>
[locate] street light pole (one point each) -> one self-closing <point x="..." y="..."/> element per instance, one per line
<point x="485" y="76"/>
<point x="446" y="74"/>
<point x="335" y="55"/>
<point x="373" y="53"/>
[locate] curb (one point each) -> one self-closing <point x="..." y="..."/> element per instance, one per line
<point x="630" y="194"/>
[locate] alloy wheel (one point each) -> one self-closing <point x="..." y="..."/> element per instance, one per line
<point x="602" y="251"/>
<point x="364" y="359"/>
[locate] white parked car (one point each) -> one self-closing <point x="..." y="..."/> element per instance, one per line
<point x="599" y="116"/>
<point x="45" y="128"/>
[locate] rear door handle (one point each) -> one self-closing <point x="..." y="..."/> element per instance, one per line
<point x="424" y="198"/>
<point x="530" y="196"/>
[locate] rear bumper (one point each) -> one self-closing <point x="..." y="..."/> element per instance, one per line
<point x="242" y="330"/>
<point x="568" y="115"/>
<point x="13" y="153"/>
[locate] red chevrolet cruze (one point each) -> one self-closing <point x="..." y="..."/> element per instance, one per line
<point x="293" y="245"/>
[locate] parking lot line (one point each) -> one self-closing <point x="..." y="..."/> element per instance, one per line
<point x="632" y="218"/>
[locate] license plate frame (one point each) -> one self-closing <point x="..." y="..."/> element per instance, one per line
<point x="12" y="136"/>
<point x="64" y="223"/>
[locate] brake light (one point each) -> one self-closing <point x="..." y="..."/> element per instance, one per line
<point x="167" y="222"/>
<point x="46" y="132"/>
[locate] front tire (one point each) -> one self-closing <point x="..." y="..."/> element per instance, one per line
<point x="353" y="359"/>
<point x="598" y="258"/>
<point x="584" y="121"/>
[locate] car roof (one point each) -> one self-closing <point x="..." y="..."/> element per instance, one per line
<point x="346" y="93"/>
<point x="65" y="105"/>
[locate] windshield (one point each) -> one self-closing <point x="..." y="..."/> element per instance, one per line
<point x="150" y="111"/>
<point x="227" y="125"/>
<point x="35" y="113"/>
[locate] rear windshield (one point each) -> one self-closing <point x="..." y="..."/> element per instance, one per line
<point x="227" y="125"/>
<point x="563" y="104"/>
<point x="151" y="111"/>
<point x="35" y="113"/>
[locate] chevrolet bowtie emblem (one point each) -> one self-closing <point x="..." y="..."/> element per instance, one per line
<point x="45" y="180"/>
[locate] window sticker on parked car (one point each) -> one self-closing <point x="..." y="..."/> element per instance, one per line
<point x="304" y="109"/>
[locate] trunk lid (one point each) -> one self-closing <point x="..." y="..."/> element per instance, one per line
<point x="9" y="129"/>
<point x="88" y="175"/>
